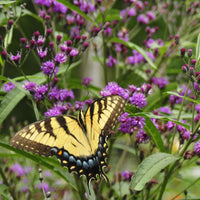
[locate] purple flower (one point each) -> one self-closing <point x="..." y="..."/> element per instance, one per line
<point x="15" y="58"/>
<point x="60" y="58"/>
<point x="43" y="2"/>
<point x="54" y="94"/>
<point x="160" y="82"/>
<point x="129" y="12"/>
<point x="28" y="85"/>
<point x="197" y="108"/>
<point x="186" y="135"/>
<point x="58" y="109"/>
<point x="136" y="58"/>
<point x="142" y="137"/>
<point x="150" y="41"/>
<point x="143" y="19"/>
<point x="170" y="125"/>
<point x="70" y="19"/>
<point x="43" y="185"/>
<point x="9" y="86"/>
<point x="108" y="31"/>
<point x="89" y="102"/>
<point x="42" y="53"/>
<point x="111" y="61"/>
<point x="40" y="91"/>
<point x="113" y="88"/>
<point x="61" y="94"/>
<point x="40" y="40"/>
<point x="79" y="105"/>
<point x="48" y="68"/>
<point x="197" y="148"/>
<point x="65" y="94"/>
<point x="86" y="81"/>
<point x="74" y="31"/>
<point x="138" y="99"/>
<point x="17" y="169"/>
<point x="130" y="124"/>
<point x="73" y="52"/>
<point x="59" y="7"/>
<point x="151" y="15"/>
<point x="126" y="175"/>
<point x="165" y="110"/>
<point x="123" y="35"/>
<point x="151" y="55"/>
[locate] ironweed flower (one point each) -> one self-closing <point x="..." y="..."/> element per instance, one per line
<point x="48" y="68"/>
<point x="86" y="81"/>
<point x="114" y="88"/>
<point x="18" y="170"/>
<point x="197" y="148"/>
<point x="111" y="61"/>
<point x="16" y="58"/>
<point x="160" y="82"/>
<point x="130" y="124"/>
<point x="9" y="86"/>
<point x="28" y="85"/>
<point x="138" y="99"/>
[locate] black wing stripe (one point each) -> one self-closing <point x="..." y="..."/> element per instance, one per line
<point x="49" y="128"/>
<point x="99" y="110"/>
<point x="61" y="120"/>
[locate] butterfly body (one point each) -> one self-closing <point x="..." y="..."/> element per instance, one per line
<point x="78" y="142"/>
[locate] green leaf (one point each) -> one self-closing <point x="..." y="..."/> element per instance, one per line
<point x="49" y="163"/>
<point x="7" y="2"/>
<point x="76" y="9"/>
<point x="149" y="168"/>
<point x="154" y="134"/>
<point x="110" y="15"/>
<point x="136" y="47"/>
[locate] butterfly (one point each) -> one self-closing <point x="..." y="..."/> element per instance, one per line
<point x="80" y="143"/>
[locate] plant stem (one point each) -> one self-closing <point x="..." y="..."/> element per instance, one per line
<point x="7" y="184"/>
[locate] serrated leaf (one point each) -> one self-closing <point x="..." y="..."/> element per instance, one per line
<point x="149" y="168"/>
<point x="136" y="47"/>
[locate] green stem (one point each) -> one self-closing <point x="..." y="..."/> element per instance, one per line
<point x="179" y="115"/>
<point x="186" y="188"/>
<point x="7" y="184"/>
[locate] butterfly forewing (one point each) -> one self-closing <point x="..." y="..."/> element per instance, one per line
<point x="61" y="131"/>
<point x="102" y="115"/>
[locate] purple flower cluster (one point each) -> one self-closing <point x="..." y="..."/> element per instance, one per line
<point x="138" y="58"/>
<point x="59" y="108"/>
<point x="160" y="82"/>
<point x="138" y="99"/>
<point x="184" y="133"/>
<point x="126" y="175"/>
<point x="113" y="88"/>
<point x="61" y="94"/>
<point x="130" y="124"/>
<point x="9" y="86"/>
<point x="86" y="81"/>
<point x="49" y="68"/>
<point x="111" y="62"/>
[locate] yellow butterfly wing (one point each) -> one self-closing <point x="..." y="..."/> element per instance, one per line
<point x="101" y="117"/>
<point x="62" y="132"/>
